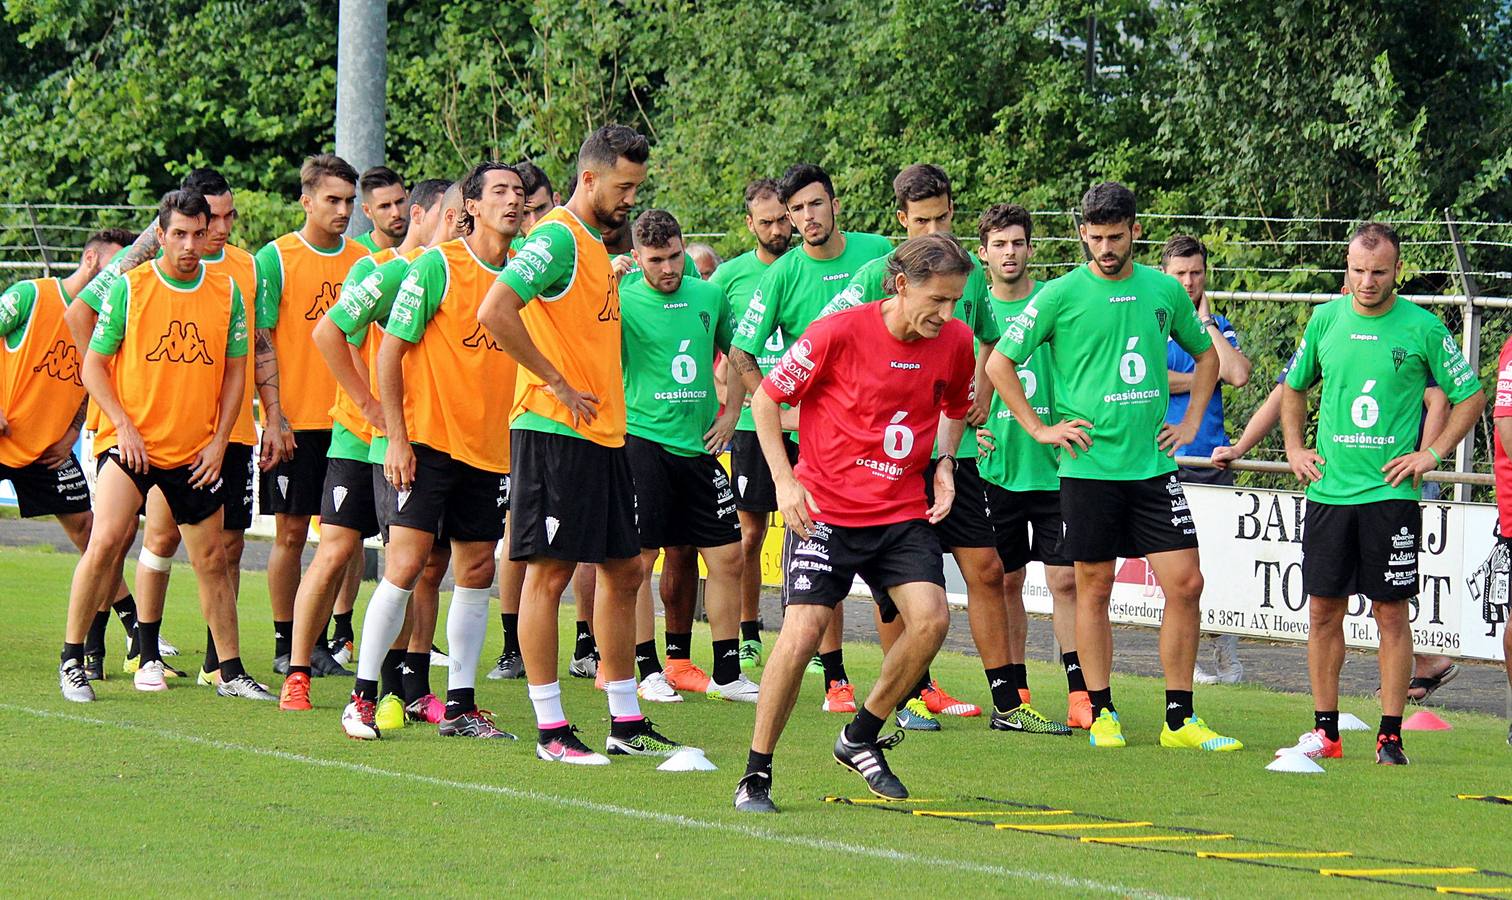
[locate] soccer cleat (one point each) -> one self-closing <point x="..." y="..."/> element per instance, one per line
<point x="1079" y="710"/>
<point x="426" y="709"/>
<point x="1027" y="719"/>
<point x="359" y="719"/>
<point x="750" y="658"/>
<point x="342" y="651"/>
<point x="1106" y="731"/>
<point x="942" y="704"/>
<point x="1194" y="734"/>
<point x="1024" y="697"/>
<point x="915" y="716"/>
<point x="390" y="713"/>
<point x="840" y="698"/>
<point x="73" y="682"/>
<point x="753" y="794"/>
<point x="815" y="667"/>
<point x="165" y="648"/>
<point x="295" y="694"/>
<point x="130" y="665"/>
<point x="149" y="677"/>
<point x="1315" y="745"/>
<point x="281" y="664"/>
<point x="684" y="676"/>
<point x="510" y="665"/>
<point x="439" y="657"/>
<point x="867" y="761"/>
<point x="94" y="666"/>
<point x="473" y="724"/>
<point x="1389" y="750"/>
<point x="244" y="686"/>
<point x="741" y="690"/>
<point x="583" y="667"/>
<point x="654" y="687"/>
<point x="171" y="672"/>
<point x="207" y="679"/>
<point x="645" y="740"/>
<point x="562" y="745"/>
<point x="323" y="664"/>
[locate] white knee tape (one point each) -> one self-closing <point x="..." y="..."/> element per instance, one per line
<point x="154" y="562"/>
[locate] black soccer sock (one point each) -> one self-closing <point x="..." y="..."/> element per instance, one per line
<point x="72" y="651"/>
<point x="283" y="637"/>
<point x="147" y="640"/>
<point x="212" y="659"/>
<point x="751" y="631"/>
<point x="646" y="660"/>
<point x="584" y="647"/>
<point x="864" y="728"/>
<point x="415" y="676"/>
<point x="125" y="610"/>
<point x="1020" y="675"/>
<point x="459" y="701"/>
<point x="299" y="670"/>
<point x="1101" y="700"/>
<point x="1178" y="708"/>
<point x="344" y="631"/>
<point x="1074" y="680"/>
<point x="95" y="640"/>
<point x="1391" y="726"/>
<point x="679" y="645"/>
<point x="1328" y="721"/>
<point x="758" y="763"/>
<point x="726" y="661"/>
<point x="834" y="666"/>
<point x="231" y="669"/>
<point x="389" y="674"/>
<point x="925" y="681"/>
<point x="511" y="631"/>
<point x="367" y="690"/>
<point x="1005" y="695"/>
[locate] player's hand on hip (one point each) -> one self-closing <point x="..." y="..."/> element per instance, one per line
<point x="59" y="451"/>
<point x="207" y="466"/>
<point x="581" y="405"/>
<point x="1174" y="436"/>
<point x="1306" y="464"/>
<point x="399" y="465"/>
<point x="944" y="491"/>
<point x="1413" y="465"/>
<point x="1069" y="435"/>
<point x="718" y="437"/>
<point x="797" y="507"/>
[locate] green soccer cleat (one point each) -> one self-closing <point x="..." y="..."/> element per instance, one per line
<point x="1194" y="734"/>
<point x="750" y="654"/>
<point x="1027" y="719"/>
<point x="390" y="714"/>
<point x="1106" y="731"/>
<point x="915" y="716"/>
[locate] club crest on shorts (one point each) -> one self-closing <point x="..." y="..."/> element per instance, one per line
<point x="740" y="482"/>
<point x="338" y="494"/>
<point x="400" y="499"/>
<point x="552" y="524"/>
<point x="283" y="485"/>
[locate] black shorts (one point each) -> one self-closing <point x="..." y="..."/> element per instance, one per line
<point x="189" y="505"/>
<point x="680" y="501"/>
<point x="968" y="524"/>
<point x="349" y="500"/>
<point x="1108" y="519"/>
<point x="41" y="491"/>
<point x="754" y="490"/>
<point x="574" y="500"/>
<point x="1366" y="548"/>
<point x="448" y="497"/>
<point x="820" y="570"/>
<point x="1194" y="475"/>
<point x="295" y="486"/>
<point x="239" y="470"/>
<point x="1028" y="527"/>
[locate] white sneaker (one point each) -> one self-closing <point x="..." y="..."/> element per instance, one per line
<point x="1313" y="745"/>
<point x="1203" y="677"/>
<point x="654" y="687"/>
<point x="1226" y="665"/>
<point x="741" y="690"/>
<point x="439" y="659"/>
<point x="246" y="687"/>
<point x="74" y="682"/>
<point x="586" y="667"/>
<point x="150" y="677"/>
<point x="165" y="648"/>
<point x="352" y="722"/>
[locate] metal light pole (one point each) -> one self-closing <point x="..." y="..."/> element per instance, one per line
<point x="361" y="79"/>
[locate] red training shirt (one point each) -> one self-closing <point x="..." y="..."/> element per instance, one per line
<point x="1501" y="465"/>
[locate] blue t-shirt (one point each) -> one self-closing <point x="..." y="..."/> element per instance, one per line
<point x="1210" y="433"/>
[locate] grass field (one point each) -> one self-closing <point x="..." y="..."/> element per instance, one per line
<point x="187" y="793"/>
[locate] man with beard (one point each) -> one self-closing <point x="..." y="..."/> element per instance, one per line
<point x="386" y="204"/>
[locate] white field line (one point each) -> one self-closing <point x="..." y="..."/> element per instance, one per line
<point x="823" y="845"/>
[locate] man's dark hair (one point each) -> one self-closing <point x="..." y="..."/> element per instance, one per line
<point x="920" y="182"/>
<point x="106" y="236"/>
<point x="1183" y="245"/>
<point x="800" y="176"/>
<point x="534" y="177"/>
<point x="1108" y="203"/>
<point x="760" y="189"/>
<point x="925" y="257"/>
<point x="378" y="177"/>
<point x="608" y="145"/>
<point x="207" y="181"/>
<point x="428" y="193"/>
<point x="656" y="228"/>
<point x="1370" y="235"/>
<point x="472" y="189"/>
<point x="324" y="165"/>
<point x="1000" y="216"/>
<point x="184" y="202"/>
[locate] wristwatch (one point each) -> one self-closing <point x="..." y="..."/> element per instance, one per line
<point x="1209" y="322"/>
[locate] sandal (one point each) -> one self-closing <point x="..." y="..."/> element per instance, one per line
<point x="1430" y="684"/>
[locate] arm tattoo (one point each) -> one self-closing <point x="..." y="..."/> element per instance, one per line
<point x="78" y="419"/>
<point x="144" y="248"/>
<point x="744" y="362"/>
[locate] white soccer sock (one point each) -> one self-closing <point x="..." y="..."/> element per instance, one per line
<point x="623" y="703"/>
<point x="547" y="700"/>
<point x="466" y="626"/>
<point x="381" y="623"/>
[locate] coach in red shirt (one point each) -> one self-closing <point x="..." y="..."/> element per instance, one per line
<point x="870" y="384"/>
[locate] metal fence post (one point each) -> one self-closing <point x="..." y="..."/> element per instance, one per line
<point x="41" y="246"/>
<point x="1464" y="457"/>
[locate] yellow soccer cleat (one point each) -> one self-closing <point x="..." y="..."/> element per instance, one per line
<point x="1106" y="731"/>
<point x="390" y="715"/>
<point x="1194" y="734"/>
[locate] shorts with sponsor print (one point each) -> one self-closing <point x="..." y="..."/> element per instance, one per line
<point x="1110" y="519"/>
<point x="1364" y="548"/>
<point x="820" y="569"/>
<point x="680" y="501"/>
<point x="189" y="505"/>
<point x="41" y="491"/>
